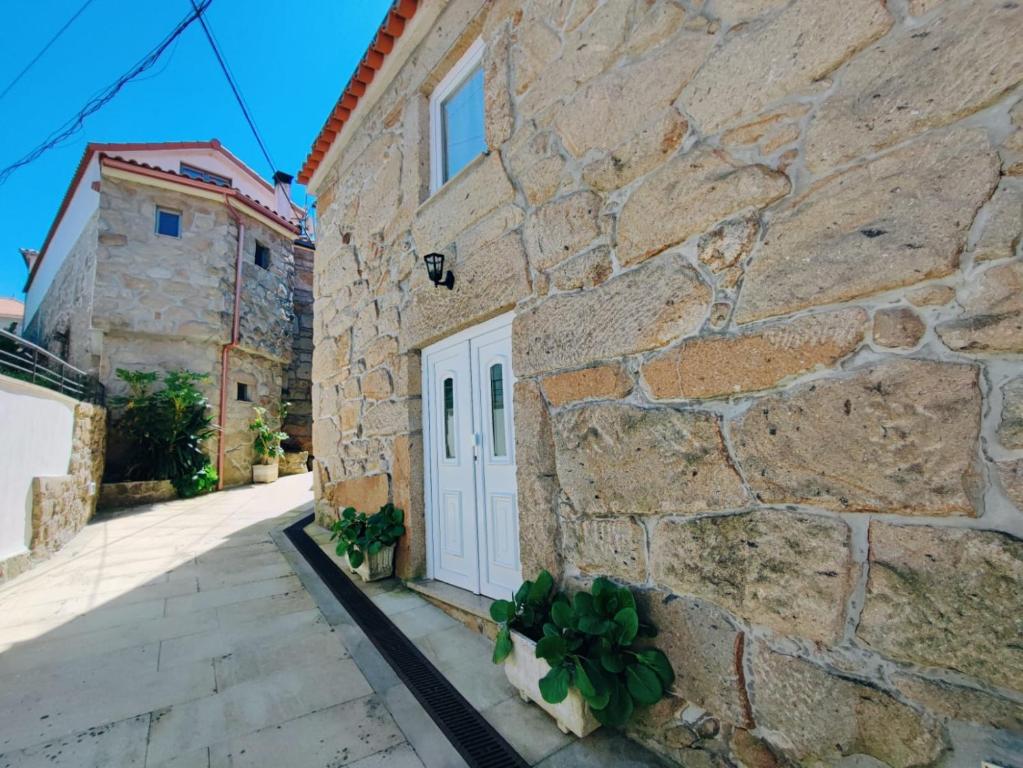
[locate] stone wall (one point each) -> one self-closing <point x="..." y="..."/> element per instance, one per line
<point x="764" y="259"/>
<point x="297" y="377"/>
<point x="62" y="324"/>
<point x="166" y="303"/>
<point x="61" y="505"/>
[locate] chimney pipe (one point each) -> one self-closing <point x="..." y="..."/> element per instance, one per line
<point x="282" y="195"/>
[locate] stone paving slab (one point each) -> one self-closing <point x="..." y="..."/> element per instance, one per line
<point x="178" y="635"/>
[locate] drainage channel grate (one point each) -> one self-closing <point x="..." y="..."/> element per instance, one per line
<point x="469" y="733"/>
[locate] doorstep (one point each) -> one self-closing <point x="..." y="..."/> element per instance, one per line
<point x="462" y="654"/>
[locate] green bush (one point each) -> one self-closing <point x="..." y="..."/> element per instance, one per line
<point x="589" y="644"/>
<point x="165" y="430"/>
<point x="267" y="443"/>
<point x="527" y="612"/>
<point x="203" y="481"/>
<point x="358" y="535"/>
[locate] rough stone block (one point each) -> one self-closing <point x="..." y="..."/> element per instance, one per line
<point x="621" y="459"/>
<point x="993" y="312"/>
<point x="864" y="230"/>
<point x="955" y="64"/>
<point x="607" y="547"/>
<point x="957" y="703"/>
<point x="699" y="188"/>
<point x="820" y="717"/>
<point x="587" y="270"/>
<point x="1003" y="225"/>
<point x="1010" y="430"/>
<point x="705" y="650"/>
<point x="642" y="309"/>
<point x="562" y="228"/>
<point x="719" y="366"/>
<point x="366" y="494"/>
<point x="604" y="382"/>
<point x="931" y="295"/>
<point x="638" y="155"/>
<point x="536" y="475"/>
<point x="898" y="327"/>
<point x="785" y="55"/>
<point x="946" y="597"/>
<point x="1011" y="475"/>
<point x="899" y="437"/>
<point x="787" y="571"/>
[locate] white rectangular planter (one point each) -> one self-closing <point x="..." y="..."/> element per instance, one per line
<point x="375" y="567"/>
<point x="524" y="671"/>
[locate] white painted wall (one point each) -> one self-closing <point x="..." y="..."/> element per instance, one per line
<point x="36" y="427"/>
<point x="83" y="204"/>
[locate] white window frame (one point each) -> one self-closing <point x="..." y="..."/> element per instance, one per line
<point x="156" y="221"/>
<point x="451" y="82"/>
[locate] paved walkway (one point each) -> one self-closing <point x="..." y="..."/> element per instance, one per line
<point x="179" y="636"/>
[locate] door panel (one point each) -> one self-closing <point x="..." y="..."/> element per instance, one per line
<point x="470" y="460"/>
<point x="454" y="487"/>
<point x="500" y="574"/>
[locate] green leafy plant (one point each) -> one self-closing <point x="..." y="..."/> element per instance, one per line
<point x="203" y="481"/>
<point x="358" y="535"/>
<point x="589" y="643"/>
<point x="165" y="430"/>
<point x="267" y="443"/>
<point x="526" y="613"/>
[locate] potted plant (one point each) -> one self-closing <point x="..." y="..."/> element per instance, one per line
<point x="368" y="542"/>
<point x="267" y="445"/>
<point x="583" y="668"/>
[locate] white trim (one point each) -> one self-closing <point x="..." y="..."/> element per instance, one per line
<point x="459" y="73"/>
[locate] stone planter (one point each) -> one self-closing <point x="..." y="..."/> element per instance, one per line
<point x="294" y="463"/>
<point x="264" y="473"/>
<point x="118" y="495"/>
<point x="375" y="567"/>
<point x="524" y="671"/>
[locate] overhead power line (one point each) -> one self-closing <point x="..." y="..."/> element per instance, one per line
<point x="234" y="86"/>
<point x="44" y="49"/>
<point x="97" y="102"/>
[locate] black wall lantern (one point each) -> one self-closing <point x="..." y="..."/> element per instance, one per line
<point x="435" y="268"/>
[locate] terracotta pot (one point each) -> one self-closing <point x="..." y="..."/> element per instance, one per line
<point x="375" y="567"/>
<point x="264" y="473"/>
<point x="524" y="671"/>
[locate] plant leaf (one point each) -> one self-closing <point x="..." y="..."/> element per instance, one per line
<point x="502" y="645"/>
<point x="551" y="649"/>
<point x="520" y="594"/>
<point x="583" y="604"/>
<point x="655" y="659"/>
<point x="561" y="614"/>
<point x="554" y="685"/>
<point x="502" y="611"/>
<point x="628" y="625"/>
<point x="644" y="684"/>
<point x="540" y="589"/>
<point x="619" y="707"/>
<point x="612" y="662"/>
<point x="593" y="625"/>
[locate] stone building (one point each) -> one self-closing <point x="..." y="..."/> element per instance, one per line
<point x="752" y="271"/>
<point x="178" y="256"/>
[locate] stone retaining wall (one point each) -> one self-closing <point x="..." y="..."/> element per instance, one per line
<point x="764" y="259"/>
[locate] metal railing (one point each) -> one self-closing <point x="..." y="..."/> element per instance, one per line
<point x="21" y="359"/>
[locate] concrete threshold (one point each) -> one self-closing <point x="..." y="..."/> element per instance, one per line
<point x="456" y="642"/>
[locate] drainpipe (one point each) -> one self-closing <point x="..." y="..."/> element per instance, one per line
<point x="226" y="349"/>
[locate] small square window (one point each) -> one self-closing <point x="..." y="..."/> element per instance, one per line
<point x="243" y="393"/>
<point x="168" y="222"/>
<point x="262" y="256"/>
<point x="457" y="134"/>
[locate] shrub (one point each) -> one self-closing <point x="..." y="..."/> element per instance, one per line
<point x="203" y="481"/>
<point x="358" y="535"/>
<point x="589" y="644"/>
<point x="165" y="430"/>
<point x="267" y="443"/>
<point x="527" y="612"/>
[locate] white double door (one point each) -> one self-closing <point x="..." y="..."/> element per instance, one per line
<point x="472" y="502"/>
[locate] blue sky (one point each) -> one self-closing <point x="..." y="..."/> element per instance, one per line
<point x="290" y="58"/>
